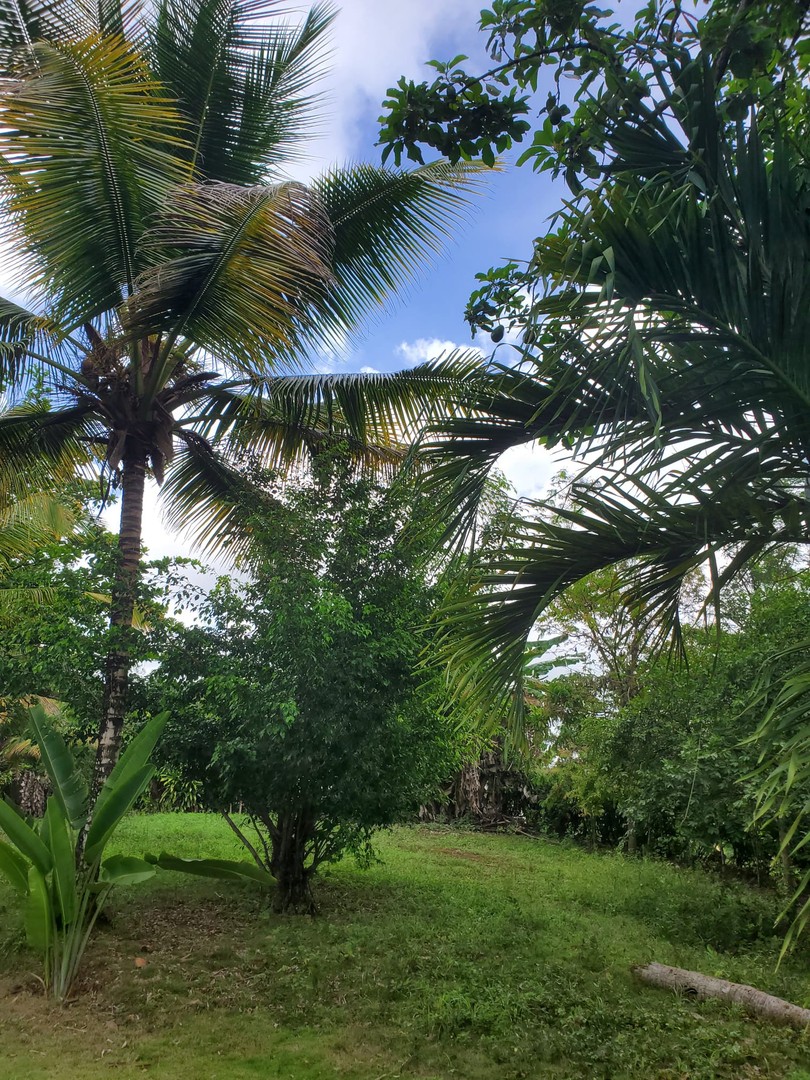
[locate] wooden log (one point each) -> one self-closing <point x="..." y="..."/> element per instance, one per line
<point x="756" y="1002"/>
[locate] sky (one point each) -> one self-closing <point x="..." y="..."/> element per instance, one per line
<point x="374" y="43"/>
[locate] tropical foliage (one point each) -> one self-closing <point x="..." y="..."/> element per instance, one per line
<point x="176" y="275"/>
<point x="62" y="889"/>
<point x="663" y="323"/>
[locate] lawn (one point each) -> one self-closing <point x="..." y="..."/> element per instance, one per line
<point x="456" y="955"/>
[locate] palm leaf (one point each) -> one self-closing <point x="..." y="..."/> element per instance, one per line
<point x="282" y="423"/>
<point x="24" y="22"/>
<point x="386" y="223"/>
<point x="241" y="78"/>
<point x="653" y="542"/>
<point x="234" y="269"/>
<point x="100" y="133"/>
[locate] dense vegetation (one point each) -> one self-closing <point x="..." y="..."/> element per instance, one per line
<point x="624" y="665"/>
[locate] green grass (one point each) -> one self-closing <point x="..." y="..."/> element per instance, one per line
<point x="458" y="955"/>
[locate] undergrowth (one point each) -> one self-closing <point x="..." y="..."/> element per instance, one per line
<point x="456" y="955"/>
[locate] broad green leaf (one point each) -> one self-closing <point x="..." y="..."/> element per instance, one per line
<point x="24" y="838"/>
<point x="69" y="787"/>
<point x="63" y="852"/>
<point x="213" y="868"/>
<point x="14" y="867"/>
<point x="107" y="817"/>
<point x="125" y="870"/>
<point x="38" y="912"/>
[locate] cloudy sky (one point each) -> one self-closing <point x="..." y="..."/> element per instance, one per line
<point x="374" y="43"/>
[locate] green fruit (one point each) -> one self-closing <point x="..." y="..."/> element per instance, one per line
<point x="497" y="334"/>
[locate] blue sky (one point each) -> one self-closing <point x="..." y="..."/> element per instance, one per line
<point x="377" y="41"/>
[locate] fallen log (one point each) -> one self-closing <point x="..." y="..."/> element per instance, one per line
<point x="756" y="1002"/>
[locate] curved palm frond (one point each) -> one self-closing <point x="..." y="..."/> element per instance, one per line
<point x="285" y="422"/>
<point x="210" y="500"/>
<point x="671" y="332"/>
<point x="42" y="448"/>
<point x="22" y="331"/>
<point x="233" y="269"/>
<point x="241" y="79"/>
<point x="101" y="133"/>
<point x="382" y="408"/>
<point x="386" y="222"/>
<point x="28" y="523"/>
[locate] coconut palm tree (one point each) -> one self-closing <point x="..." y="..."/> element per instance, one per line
<point x="177" y="279"/>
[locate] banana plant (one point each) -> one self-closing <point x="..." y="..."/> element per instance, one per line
<point x="62" y="888"/>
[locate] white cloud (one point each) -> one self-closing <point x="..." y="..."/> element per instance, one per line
<point x="424" y="349"/>
<point x="369" y="371"/>
<point x="529" y="468"/>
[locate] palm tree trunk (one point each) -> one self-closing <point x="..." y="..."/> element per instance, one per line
<point x="124" y="591"/>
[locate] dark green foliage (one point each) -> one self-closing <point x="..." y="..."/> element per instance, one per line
<point x="55" y="624"/>
<point x="663" y="317"/>
<point x="297" y="693"/>
<point x="671" y="769"/>
<point x="584" y="72"/>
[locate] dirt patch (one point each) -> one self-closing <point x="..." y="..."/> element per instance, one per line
<point x="472" y="856"/>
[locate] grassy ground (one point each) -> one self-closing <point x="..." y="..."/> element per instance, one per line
<point x="458" y="955"/>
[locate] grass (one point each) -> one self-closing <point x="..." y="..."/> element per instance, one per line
<point x="457" y="955"/>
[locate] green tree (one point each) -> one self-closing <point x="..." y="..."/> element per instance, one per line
<point x="54" y="622"/>
<point x="297" y="696"/>
<point x="675" y="764"/>
<point x="663" y="316"/>
<point x="175" y="271"/>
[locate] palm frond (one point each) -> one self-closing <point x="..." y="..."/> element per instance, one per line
<point x="653" y="541"/>
<point x="25" y="22"/>
<point x="42" y="448"/>
<point x="386" y="224"/>
<point x="210" y="501"/>
<point x="85" y="158"/>
<point x="29" y="522"/>
<point x="242" y="79"/>
<point x="22" y="331"/>
<point x="382" y="410"/>
<point x="234" y="269"/>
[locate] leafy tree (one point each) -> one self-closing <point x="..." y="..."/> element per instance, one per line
<point x="175" y="271"/>
<point x="54" y="621"/>
<point x="675" y="764"/>
<point x="297" y="696"/>
<point x="663" y="316"/>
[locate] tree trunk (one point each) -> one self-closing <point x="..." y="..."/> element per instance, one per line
<point x="124" y="592"/>
<point x="30" y="793"/>
<point x="291" y="842"/>
<point x="756" y="1002"/>
<point x="632" y="838"/>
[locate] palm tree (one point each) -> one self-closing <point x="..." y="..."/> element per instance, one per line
<point x="667" y="351"/>
<point x="177" y="278"/>
<point x="666" y="347"/>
